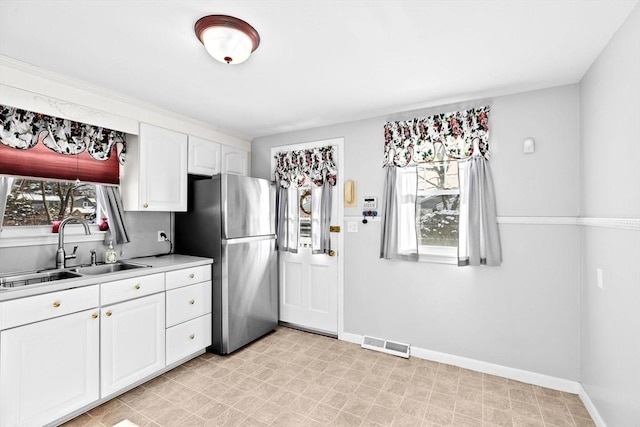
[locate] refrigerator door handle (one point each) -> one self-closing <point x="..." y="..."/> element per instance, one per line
<point x="241" y="240"/>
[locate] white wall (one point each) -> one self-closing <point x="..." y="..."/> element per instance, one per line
<point x="610" y="147"/>
<point x="524" y="314"/>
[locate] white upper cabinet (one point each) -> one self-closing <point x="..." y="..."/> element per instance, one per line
<point x="154" y="176"/>
<point x="235" y="160"/>
<point x="204" y="156"/>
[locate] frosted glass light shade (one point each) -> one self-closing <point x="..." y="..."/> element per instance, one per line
<point x="227" y="39"/>
<point x="227" y="45"/>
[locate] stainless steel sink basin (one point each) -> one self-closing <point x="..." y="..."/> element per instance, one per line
<point x="108" y="268"/>
<point x="25" y="279"/>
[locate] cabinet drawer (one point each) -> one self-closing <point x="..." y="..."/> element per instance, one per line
<point x="188" y="302"/>
<point x="32" y="309"/>
<point x="187" y="338"/>
<point x="135" y="287"/>
<point x="188" y="276"/>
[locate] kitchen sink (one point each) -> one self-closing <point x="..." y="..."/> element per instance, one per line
<point x="11" y="281"/>
<point x="108" y="268"/>
<point x="25" y="279"/>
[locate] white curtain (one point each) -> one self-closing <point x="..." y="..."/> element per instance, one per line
<point x="6" y="182"/>
<point x="111" y="204"/>
<point x="478" y="238"/>
<point x="399" y="239"/>
<point x="288" y="218"/>
<point x="321" y="218"/>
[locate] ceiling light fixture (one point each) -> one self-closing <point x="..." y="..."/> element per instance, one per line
<point x="226" y="38"/>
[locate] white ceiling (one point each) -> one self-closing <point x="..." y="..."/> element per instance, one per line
<point x="319" y="62"/>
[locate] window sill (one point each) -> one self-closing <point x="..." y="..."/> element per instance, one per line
<point x="11" y="237"/>
<point x="438" y="259"/>
<point x="438" y="254"/>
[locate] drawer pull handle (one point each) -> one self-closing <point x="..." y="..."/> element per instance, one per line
<point x="192" y="336"/>
<point x="109" y="313"/>
<point x="192" y="302"/>
<point x="137" y="286"/>
<point x="94" y="315"/>
<point x="191" y="276"/>
<point x="56" y="304"/>
<point x="146" y="205"/>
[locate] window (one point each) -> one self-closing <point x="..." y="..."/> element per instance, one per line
<point x="40" y="202"/>
<point x="437" y="208"/>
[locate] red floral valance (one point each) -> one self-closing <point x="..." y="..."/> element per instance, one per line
<point x="298" y="167"/>
<point x="419" y="140"/>
<point x="38" y="145"/>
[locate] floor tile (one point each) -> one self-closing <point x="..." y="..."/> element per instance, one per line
<point x="294" y="378"/>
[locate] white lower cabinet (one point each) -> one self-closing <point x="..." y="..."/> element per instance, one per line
<point x="48" y="369"/>
<point x="69" y="350"/>
<point x="188" y="337"/>
<point x="132" y="341"/>
<point x="188" y="312"/>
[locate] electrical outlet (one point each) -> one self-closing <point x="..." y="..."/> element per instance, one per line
<point x="162" y="236"/>
<point x="352" y="227"/>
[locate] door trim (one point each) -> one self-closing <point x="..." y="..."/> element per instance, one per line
<point x="339" y="143"/>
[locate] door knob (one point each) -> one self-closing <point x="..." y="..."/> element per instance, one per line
<point x="331" y="253"/>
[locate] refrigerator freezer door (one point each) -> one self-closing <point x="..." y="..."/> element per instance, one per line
<point x="247" y="207"/>
<point x="250" y="289"/>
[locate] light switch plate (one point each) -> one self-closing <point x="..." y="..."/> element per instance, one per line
<point x="599" y="278"/>
<point x="352" y="227"/>
<point x="529" y="146"/>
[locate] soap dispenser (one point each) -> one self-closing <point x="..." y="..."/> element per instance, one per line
<point x="110" y="254"/>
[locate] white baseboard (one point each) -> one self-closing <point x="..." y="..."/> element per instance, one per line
<point x="521" y="375"/>
<point x="595" y="415"/>
<point x="528" y="377"/>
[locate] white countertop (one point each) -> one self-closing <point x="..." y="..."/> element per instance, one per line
<point x="158" y="264"/>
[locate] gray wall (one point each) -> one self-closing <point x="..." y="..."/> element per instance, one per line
<point x="610" y="322"/>
<point x="523" y="314"/>
<point x="142" y="228"/>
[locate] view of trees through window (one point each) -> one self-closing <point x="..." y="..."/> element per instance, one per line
<point x="40" y="202"/>
<point x="438" y="204"/>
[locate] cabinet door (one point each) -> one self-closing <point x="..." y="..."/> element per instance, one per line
<point x="188" y="338"/>
<point x="235" y="160"/>
<point x="132" y="342"/>
<point x="48" y="369"/>
<point x="204" y="156"/>
<point x="163" y="169"/>
<point x="188" y="302"/>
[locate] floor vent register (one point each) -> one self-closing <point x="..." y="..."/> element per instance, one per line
<point x="386" y="346"/>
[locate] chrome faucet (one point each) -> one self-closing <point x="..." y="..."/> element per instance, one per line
<point x="61" y="257"/>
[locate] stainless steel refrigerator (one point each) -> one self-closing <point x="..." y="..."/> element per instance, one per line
<point x="231" y="219"/>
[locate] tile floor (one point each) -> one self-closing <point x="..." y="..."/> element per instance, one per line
<point x="293" y="378"/>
